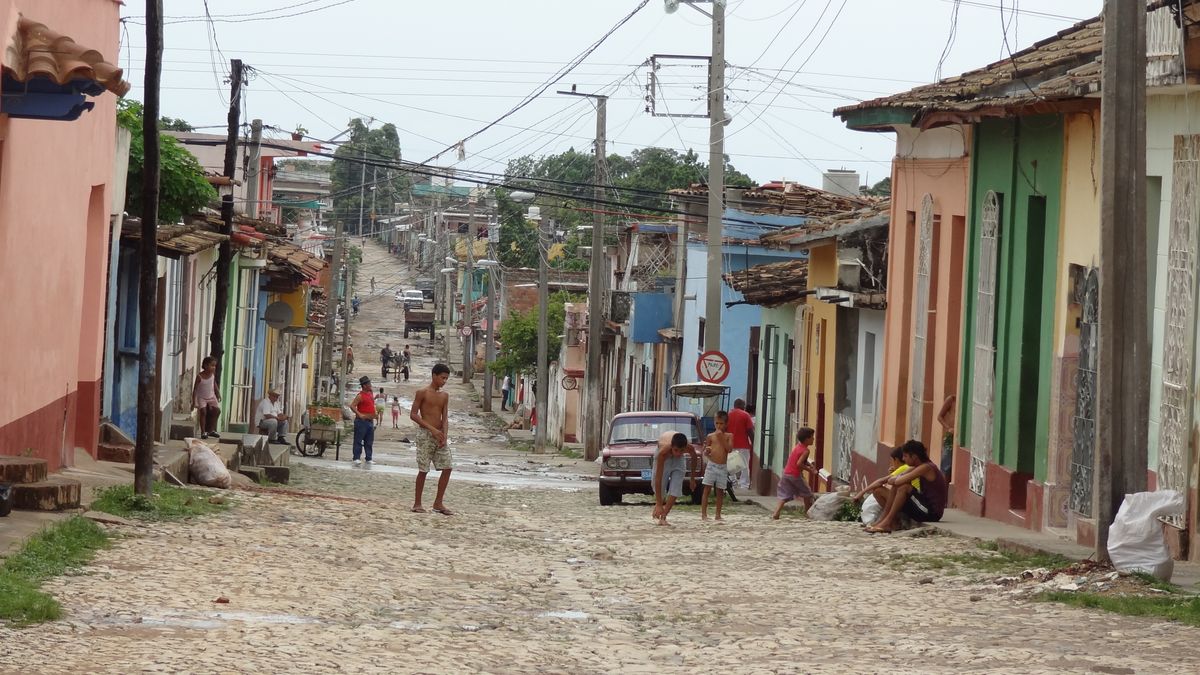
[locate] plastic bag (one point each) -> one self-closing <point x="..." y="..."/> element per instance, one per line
<point x="1135" y="540"/>
<point x="735" y="463"/>
<point x="205" y="467"/>
<point x="871" y="510"/>
<point x="827" y="505"/>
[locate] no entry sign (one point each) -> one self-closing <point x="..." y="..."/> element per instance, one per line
<point x="712" y="367"/>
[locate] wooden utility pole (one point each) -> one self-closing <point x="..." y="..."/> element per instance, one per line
<point x="593" y="418"/>
<point x="543" y="347"/>
<point x="1124" y="369"/>
<point x="225" y="252"/>
<point x="147" y="406"/>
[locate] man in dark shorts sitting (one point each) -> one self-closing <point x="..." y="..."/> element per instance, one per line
<point x="924" y="505"/>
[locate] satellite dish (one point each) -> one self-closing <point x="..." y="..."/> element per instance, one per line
<point x="671" y="6"/>
<point x="278" y="315"/>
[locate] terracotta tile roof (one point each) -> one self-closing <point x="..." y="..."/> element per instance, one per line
<point x="36" y="51"/>
<point x="794" y="200"/>
<point x="837" y="225"/>
<point x="1064" y="66"/>
<point x="292" y="258"/>
<point x="174" y="241"/>
<point x="773" y="284"/>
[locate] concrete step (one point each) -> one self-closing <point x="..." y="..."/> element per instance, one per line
<point x="114" y="452"/>
<point x="52" y="494"/>
<point x="173" y="458"/>
<point x="254" y="473"/>
<point x="181" y="429"/>
<point x="22" y="469"/>
<point x="278" y="474"/>
<point x="274" y="455"/>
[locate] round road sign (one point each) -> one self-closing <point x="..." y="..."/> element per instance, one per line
<point x="465" y="331"/>
<point x="570" y="383"/>
<point x="712" y="367"/>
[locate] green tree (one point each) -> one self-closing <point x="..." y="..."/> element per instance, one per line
<point x="653" y="171"/>
<point x="519" y="333"/>
<point x="174" y="124"/>
<point x="183" y="189"/>
<point x="881" y="189"/>
<point x="375" y="147"/>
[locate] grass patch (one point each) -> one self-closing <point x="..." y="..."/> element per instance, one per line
<point x="988" y="560"/>
<point x="571" y="453"/>
<point x="849" y="512"/>
<point x="167" y="503"/>
<point x="1184" y="609"/>
<point x="522" y="447"/>
<point x="56" y="550"/>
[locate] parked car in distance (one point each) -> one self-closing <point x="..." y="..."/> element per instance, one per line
<point x="414" y="299"/>
<point x="627" y="460"/>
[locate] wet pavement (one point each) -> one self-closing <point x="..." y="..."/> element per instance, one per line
<point x="532" y="575"/>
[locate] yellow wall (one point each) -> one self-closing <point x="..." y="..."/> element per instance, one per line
<point x="1079" y="238"/>
<point x="820" y="347"/>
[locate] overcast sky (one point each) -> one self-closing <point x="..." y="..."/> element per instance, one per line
<point x="442" y="70"/>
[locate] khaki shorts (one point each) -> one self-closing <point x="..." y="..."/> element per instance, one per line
<point x="428" y="452"/>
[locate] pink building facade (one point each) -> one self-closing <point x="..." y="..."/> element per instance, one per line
<point x="56" y="202"/>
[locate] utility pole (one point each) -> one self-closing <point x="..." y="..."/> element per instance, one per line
<point x="253" y="164"/>
<point x="374" y="215"/>
<point x="593" y="418"/>
<point x="147" y="404"/>
<point x="331" y="300"/>
<point x="225" y="251"/>
<point x="1124" y="370"/>
<point x="351" y="277"/>
<point x="489" y="350"/>
<point x="716" y="178"/>
<point x="468" y="292"/>
<point x="543" y="347"/>
<point x="362" y="187"/>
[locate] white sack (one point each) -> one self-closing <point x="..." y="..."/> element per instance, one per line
<point x="827" y="505"/>
<point x="871" y="510"/>
<point x="1135" y="540"/>
<point x="205" y="467"/>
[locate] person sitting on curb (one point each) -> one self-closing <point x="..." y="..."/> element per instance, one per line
<point x="895" y="468"/>
<point x="925" y="504"/>
<point x="270" y="420"/>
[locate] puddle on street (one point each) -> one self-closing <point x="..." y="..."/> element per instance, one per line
<point x="500" y="481"/>
<point x="568" y="614"/>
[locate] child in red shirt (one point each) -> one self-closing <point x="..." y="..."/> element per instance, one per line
<point x="792" y="485"/>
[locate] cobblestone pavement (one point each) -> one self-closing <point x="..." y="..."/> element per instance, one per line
<point x="533" y="575"/>
<point x="526" y="580"/>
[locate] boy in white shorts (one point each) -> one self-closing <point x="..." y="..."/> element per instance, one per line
<point x="716" y="476"/>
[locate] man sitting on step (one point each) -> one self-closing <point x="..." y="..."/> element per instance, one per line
<point x="270" y="420"/>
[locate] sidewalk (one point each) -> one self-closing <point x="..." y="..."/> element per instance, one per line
<point x="1017" y="539"/>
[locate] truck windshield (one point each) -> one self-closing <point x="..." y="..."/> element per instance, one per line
<point x="648" y="429"/>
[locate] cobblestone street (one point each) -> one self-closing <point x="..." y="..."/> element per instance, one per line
<point x="546" y="580"/>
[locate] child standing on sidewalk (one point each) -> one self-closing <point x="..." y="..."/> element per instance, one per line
<point x="716" y="452"/>
<point x="395" y="412"/>
<point x="792" y="485"/>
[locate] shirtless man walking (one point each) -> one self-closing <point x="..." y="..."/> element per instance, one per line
<point x="670" y="467"/>
<point x="431" y="414"/>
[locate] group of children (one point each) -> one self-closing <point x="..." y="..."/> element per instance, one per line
<point x="914" y="487"/>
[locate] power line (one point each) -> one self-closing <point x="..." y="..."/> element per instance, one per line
<point x="563" y="72"/>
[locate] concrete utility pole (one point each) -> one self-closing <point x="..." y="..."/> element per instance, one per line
<point x="147" y="400"/>
<point x="543" y="347"/>
<point x="716" y="178"/>
<point x="225" y="251"/>
<point x="252" y="171"/>
<point x="331" y="298"/>
<point x="593" y="418"/>
<point x="374" y="184"/>
<point x="489" y="350"/>
<point x="1123" y="374"/>
<point x="351" y="277"/>
<point x="468" y="292"/>
<point x="362" y="190"/>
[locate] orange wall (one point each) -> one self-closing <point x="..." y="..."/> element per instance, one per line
<point x="54" y="207"/>
<point x="946" y="180"/>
